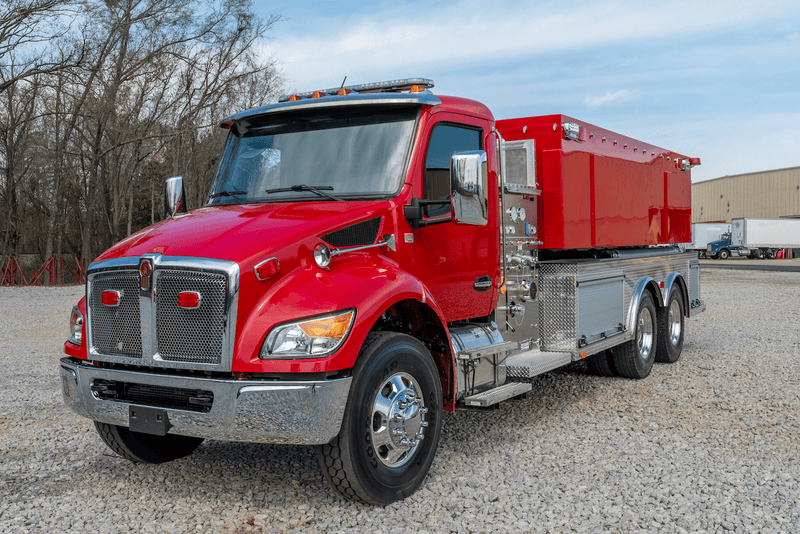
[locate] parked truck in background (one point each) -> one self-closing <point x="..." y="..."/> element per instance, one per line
<point x="756" y="238"/>
<point x="369" y="257"/>
<point x="705" y="233"/>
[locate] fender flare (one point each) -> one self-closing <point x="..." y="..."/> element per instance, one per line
<point x="307" y="292"/>
<point x="674" y="278"/>
<point x="639" y="288"/>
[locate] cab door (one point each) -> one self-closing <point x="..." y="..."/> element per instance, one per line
<point x="458" y="263"/>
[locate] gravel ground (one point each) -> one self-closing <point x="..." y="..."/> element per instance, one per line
<point x="709" y="444"/>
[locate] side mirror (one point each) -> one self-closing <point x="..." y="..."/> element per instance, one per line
<point x="174" y="197"/>
<point x="468" y="188"/>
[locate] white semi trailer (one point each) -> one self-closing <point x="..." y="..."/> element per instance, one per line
<point x="763" y="237"/>
<point x="705" y="233"/>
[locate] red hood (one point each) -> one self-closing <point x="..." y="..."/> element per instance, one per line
<point x="239" y="232"/>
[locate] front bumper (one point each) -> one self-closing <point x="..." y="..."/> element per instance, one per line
<point x="297" y="412"/>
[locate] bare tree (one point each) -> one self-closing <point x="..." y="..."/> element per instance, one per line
<point x="24" y="26"/>
<point x="119" y="93"/>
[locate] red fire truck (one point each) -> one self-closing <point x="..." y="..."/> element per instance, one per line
<point x="369" y="257"/>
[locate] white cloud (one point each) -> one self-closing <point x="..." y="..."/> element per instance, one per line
<point x="610" y="97"/>
<point x="699" y="68"/>
<point x="419" y="38"/>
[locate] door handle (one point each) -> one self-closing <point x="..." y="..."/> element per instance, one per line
<point x="482" y="283"/>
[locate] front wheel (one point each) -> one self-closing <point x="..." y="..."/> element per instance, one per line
<point x="634" y="359"/>
<point x="724" y="254"/>
<point x="391" y="425"/>
<point x="146" y="448"/>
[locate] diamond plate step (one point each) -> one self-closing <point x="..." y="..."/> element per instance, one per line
<point x="495" y="395"/>
<point x="534" y="362"/>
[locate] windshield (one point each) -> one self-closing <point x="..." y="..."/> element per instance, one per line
<point x="334" y="154"/>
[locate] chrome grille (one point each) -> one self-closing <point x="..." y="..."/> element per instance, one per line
<point x="115" y="330"/>
<point x="190" y="335"/>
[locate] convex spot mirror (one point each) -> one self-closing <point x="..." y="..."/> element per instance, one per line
<point x="174" y="197"/>
<point x="468" y="188"/>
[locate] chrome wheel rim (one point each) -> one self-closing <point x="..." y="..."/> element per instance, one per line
<point x="644" y="334"/>
<point x="398" y="420"/>
<point x="674" y="323"/>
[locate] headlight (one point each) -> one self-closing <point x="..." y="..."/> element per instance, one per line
<point x="75" y="326"/>
<point x="311" y="338"/>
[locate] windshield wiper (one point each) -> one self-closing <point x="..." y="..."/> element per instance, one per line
<point x="228" y="194"/>
<point x="302" y="187"/>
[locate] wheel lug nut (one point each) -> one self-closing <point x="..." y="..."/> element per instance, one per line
<point x="423" y="424"/>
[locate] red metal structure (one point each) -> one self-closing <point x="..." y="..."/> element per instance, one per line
<point x="371" y="256"/>
<point x="11" y="274"/>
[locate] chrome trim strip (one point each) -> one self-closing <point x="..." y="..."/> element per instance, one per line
<point x="147" y="308"/>
<point x="297" y="412"/>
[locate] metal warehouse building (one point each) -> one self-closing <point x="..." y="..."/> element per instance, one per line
<point x="767" y="194"/>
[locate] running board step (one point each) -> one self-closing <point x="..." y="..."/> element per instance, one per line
<point x="503" y="347"/>
<point x="534" y="362"/>
<point x="495" y="395"/>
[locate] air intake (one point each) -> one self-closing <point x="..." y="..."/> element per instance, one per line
<point x="355" y="235"/>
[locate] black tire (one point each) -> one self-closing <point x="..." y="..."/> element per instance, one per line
<point x="760" y="254"/>
<point x="631" y="359"/>
<point x="724" y="254"/>
<point x="146" y="448"/>
<point x="770" y="254"/>
<point x="389" y="365"/>
<point x="602" y="364"/>
<point x="714" y="256"/>
<point x="670" y="328"/>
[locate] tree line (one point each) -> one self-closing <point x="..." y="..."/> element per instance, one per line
<point x="101" y="100"/>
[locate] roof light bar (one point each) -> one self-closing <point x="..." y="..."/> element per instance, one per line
<point x="391" y="86"/>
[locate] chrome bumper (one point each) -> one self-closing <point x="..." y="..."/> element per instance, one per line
<point x="299" y="413"/>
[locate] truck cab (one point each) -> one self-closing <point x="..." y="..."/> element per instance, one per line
<point x="721" y="248"/>
<point x="367" y="258"/>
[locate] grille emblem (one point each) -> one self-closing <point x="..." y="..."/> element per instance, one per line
<point x="144" y="272"/>
<point x="189" y="299"/>
<point x="111" y="297"/>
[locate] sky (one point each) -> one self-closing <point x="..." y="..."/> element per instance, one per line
<point x="718" y="80"/>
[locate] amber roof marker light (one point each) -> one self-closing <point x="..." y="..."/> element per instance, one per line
<point x="413" y="85"/>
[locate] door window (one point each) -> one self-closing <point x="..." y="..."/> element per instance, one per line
<point x="444" y="141"/>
